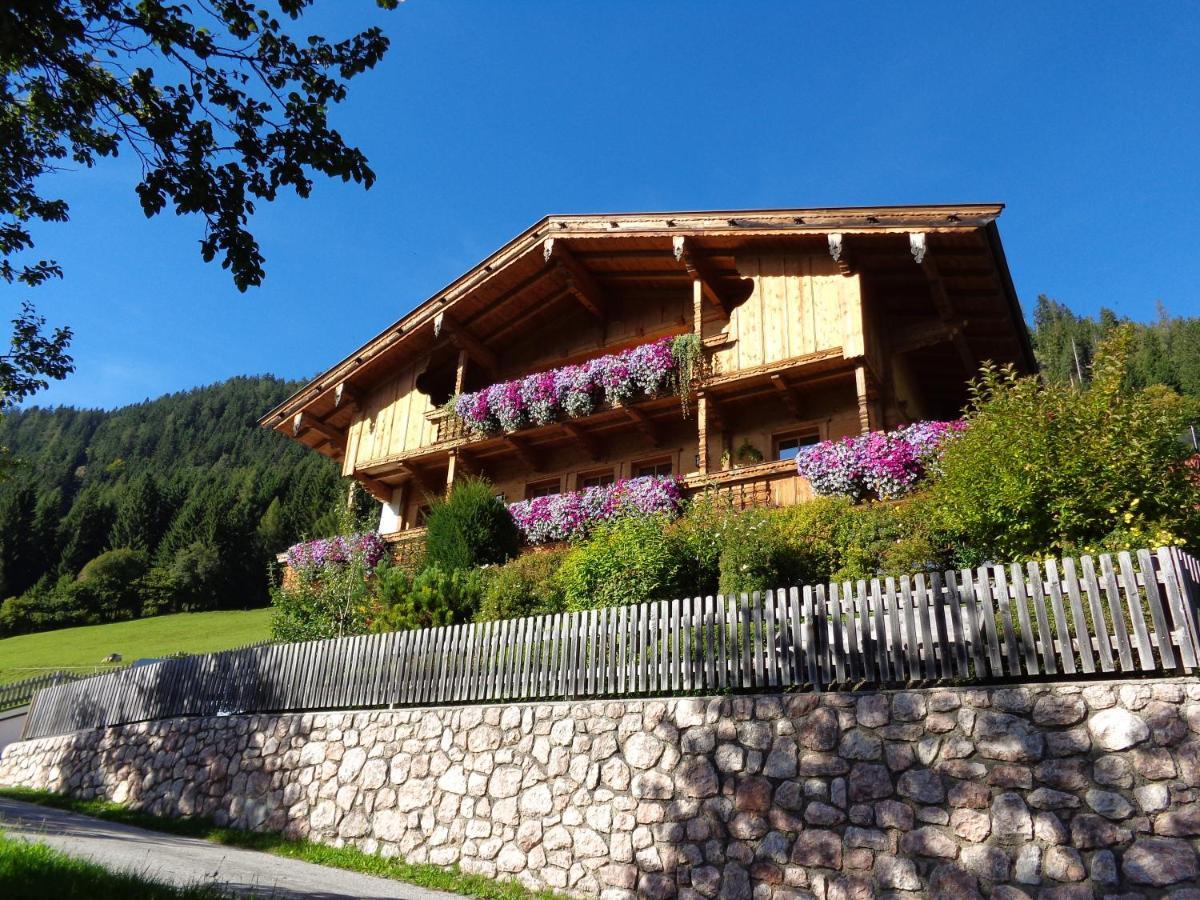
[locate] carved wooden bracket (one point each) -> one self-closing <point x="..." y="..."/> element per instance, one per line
<point x="840" y="253"/>
<point x="348" y="396"/>
<point x="303" y="421"/>
<point x="916" y="244"/>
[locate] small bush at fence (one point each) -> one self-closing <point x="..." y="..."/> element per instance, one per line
<point x="526" y="586"/>
<point x="433" y="597"/>
<point x="626" y="561"/>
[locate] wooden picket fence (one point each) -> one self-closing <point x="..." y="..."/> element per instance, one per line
<point x="1056" y="619"/>
<point x="18" y="693"/>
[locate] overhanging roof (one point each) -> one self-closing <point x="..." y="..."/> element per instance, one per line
<point x="515" y="268"/>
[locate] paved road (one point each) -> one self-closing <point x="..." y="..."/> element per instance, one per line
<point x="184" y="860"/>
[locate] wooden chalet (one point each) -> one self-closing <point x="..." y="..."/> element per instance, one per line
<point x="815" y="324"/>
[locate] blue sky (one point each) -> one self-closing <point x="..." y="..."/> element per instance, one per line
<point x="1083" y="118"/>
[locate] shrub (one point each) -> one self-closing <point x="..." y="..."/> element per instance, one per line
<point x="470" y="528"/>
<point x="340" y="602"/>
<point x="525" y="586"/>
<point x="433" y="597"/>
<point x="1054" y="468"/>
<point x="626" y="561"/>
<point x="110" y="585"/>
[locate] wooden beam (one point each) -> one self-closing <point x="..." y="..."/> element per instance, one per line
<point x="417" y="477"/>
<point x="701" y="272"/>
<point x="464" y="340"/>
<point x="346" y="395"/>
<point x="588" y="443"/>
<point x="579" y="281"/>
<point x="945" y="309"/>
<point x="786" y="394"/>
<point x="921" y="335"/>
<point x="536" y="310"/>
<point x="380" y="490"/>
<point x="460" y="372"/>
<point x="716" y="416"/>
<point x="523" y="452"/>
<point x="702" y="402"/>
<point x="643" y="423"/>
<point x="302" y="422"/>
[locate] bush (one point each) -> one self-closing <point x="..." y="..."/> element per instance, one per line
<point x="431" y="598"/>
<point x="1065" y="469"/>
<point x="109" y="586"/>
<point x="526" y="586"/>
<point x="470" y="528"/>
<point x="626" y="561"/>
<point x="340" y="602"/>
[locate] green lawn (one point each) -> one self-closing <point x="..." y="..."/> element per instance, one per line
<point x="31" y="654"/>
<point x="30" y="870"/>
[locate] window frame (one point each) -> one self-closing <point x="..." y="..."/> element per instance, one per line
<point x="652" y="462"/>
<point x="534" y="489"/>
<point x="798" y="434"/>
<point x="610" y="473"/>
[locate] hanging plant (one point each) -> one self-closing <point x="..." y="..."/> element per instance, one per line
<point x="687" y="352"/>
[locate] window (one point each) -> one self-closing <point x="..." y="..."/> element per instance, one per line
<point x="788" y="445"/>
<point x="422" y="516"/>
<point x="542" y="488"/>
<point x="655" y="468"/>
<point x="596" y="479"/>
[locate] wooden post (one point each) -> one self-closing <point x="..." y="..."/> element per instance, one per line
<point x="702" y="431"/>
<point x="461" y="374"/>
<point x="862" y="386"/>
<point x="451" y="471"/>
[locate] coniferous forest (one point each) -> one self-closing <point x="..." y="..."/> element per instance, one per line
<point x="173" y="504"/>
<point x="181" y="503"/>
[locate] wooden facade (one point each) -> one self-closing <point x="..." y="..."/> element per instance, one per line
<point x="815" y="324"/>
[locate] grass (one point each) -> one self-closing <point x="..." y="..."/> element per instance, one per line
<point x="82" y="648"/>
<point x="422" y="874"/>
<point x="32" y="870"/>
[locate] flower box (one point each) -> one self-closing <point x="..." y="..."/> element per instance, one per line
<point x="573" y="515"/>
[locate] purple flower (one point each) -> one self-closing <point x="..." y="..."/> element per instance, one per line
<point x="544" y="397"/>
<point x="312" y="557"/>
<point x="878" y="465"/>
<point x="573" y="515"/>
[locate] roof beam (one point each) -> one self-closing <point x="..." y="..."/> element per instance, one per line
<point x="945" y="310"/>
<point x="303" y="421"/>
<point x="464" y="340"/>
<point x="583" y="439"/>
<point x="578" y="279"/>
<point x="699" y="269"/>
<point x="348" y="396"/>
<point x="533" y="311"/>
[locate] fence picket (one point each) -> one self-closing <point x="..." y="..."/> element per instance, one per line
<point x="1021" y="599"/>
<point x="1162" y="631"/>
<point x="1113" y="593"/>
<point x="1136" y="616"/>
<point x="1188" y="647"/>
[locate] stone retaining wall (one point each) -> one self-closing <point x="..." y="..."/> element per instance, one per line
<point x="1057" y="791"/>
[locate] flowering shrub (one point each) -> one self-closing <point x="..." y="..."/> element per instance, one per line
<point x="879" y="465"/>
<point x="563" y="517"/>
<point x="543" y="397"/>
<point x="313" y="557"/>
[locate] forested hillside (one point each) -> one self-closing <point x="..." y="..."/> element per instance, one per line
<point x="1166" y="351"/>
<point x="174" y="504"/>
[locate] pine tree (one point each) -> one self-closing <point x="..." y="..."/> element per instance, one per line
<point x="139" y="517"/>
